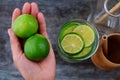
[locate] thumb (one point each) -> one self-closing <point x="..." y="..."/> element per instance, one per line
<point x="15" y="45"/>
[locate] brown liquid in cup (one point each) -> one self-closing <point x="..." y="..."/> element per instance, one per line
<point x="114" y="49"/>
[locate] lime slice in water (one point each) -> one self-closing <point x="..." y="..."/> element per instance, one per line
<point x="67" y="29"/>
<point x="72" y="43"/>
<point x="83" y="53"/>
<point x="87" y="33"/>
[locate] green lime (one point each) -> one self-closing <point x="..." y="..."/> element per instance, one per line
<point x="83" y="53"/>
<point x="67" y="28"/>
<point x="25" y="25"/>
<point x="87" y="33"/>
<point x="72" y="43"/>
<point x="36" y="47"/>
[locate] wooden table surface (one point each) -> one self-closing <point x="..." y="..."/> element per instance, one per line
<point x="56" y="12"/>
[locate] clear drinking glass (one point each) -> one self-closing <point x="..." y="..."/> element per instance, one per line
<point x="95" y="44"/>
<point x="110" y="21"/>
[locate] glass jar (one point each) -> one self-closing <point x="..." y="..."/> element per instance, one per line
<point x="69" y="25"/>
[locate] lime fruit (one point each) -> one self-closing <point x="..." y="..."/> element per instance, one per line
<point x="83" y="53"/>
<point x="72" y="43"/>
<point x="25" y="25"/>
<point x="67" y="28"/>
<point x="87" y="33"/>
<point x="36" y="47"/>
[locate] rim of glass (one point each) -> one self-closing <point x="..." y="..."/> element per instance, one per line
<point x="106" y="9"/>
<point x="96" y="42"/>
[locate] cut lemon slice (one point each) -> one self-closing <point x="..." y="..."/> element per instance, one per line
<point x="83" y="53"/>
<point x="87" y="33"/>
<point x="72" y="43"/>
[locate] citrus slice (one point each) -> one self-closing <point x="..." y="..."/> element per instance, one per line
<point x="87" y="33"/>
<point x="67" y="29"/>
<point x="83" y="53"/>
<point x="72" y="43"/>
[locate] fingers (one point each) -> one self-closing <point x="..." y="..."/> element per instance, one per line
<point x="15" y="14"/>
<point x="15" y="45"/>
<point x="34" y="9"/>
<point x="26" y="8"/>
<point x="42" y="24"/>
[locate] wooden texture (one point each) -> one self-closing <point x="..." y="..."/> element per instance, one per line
<point x="56" y="12"/>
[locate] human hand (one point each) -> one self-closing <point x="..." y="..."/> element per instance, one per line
<point x="44" y="70"/>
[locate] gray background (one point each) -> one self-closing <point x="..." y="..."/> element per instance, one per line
<point x="56" y="12"/>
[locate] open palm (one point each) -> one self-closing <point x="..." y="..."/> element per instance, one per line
<point x="44" y="70"/>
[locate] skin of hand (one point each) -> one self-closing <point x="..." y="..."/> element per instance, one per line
<point x="43" y="70"/>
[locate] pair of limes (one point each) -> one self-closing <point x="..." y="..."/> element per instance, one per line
<point x="36" y="47"/>
<point x="77" y="39"/>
